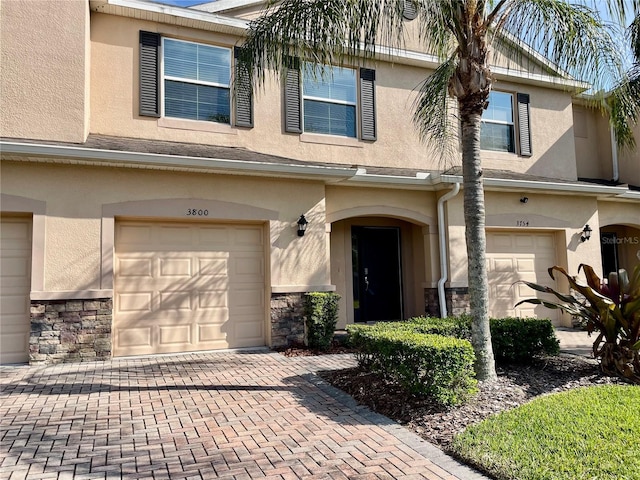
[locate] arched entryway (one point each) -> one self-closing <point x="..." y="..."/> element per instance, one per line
<point x="619" y="247"/>
<point x="380" y="267"/>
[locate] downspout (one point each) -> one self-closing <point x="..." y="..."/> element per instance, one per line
<point x="442" y="240"/>
<point x="614" y="155"/>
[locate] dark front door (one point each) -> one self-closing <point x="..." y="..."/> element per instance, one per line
<point x="377" y="285"/>
<point x="609" y="250"/>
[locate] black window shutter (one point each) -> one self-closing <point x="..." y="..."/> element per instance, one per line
<point x="149" y="74"/>
<point x="292" y="99"/>
<point x="524" y="125"/>
<point x="243" y="94"/>
<point x="367" y="104"/>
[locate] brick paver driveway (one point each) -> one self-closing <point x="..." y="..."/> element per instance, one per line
<point x="252" y="414"/>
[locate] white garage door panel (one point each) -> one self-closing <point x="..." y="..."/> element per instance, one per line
<point x="15" y="285"/>
<point x="514" y="256"/>
<point x="188" y="287"/>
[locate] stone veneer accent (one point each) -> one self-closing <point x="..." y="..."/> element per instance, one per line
<point x="287" y="319"/>
<point x="70" y="330"/>
<point x="457" y="301"/>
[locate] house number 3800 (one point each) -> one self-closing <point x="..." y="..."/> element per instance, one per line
<point x="195" y="212"/>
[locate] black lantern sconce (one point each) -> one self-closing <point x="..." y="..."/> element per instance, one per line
<point x="524" y="199"/>
<point x="586" y="233"/>
<point x="302" y="225"/>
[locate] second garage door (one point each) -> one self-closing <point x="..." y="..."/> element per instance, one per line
<point x="15" y="285"/>
<point x="517" y="256"/>
<point x="188" y="287"/>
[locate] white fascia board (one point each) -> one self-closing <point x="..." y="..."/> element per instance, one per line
<point x="538" y="185"/>
<point x="630" y="195"/>
<point x="149" y="159"/>
<point x="421" y="179"/>
<point x="224" y="5"/>
<point x="171" y="11"/>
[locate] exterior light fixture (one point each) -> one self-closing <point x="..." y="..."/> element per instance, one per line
<point x="524" y="199"/>
<point x="586" y="233"/>
<point x="302" y="225"/>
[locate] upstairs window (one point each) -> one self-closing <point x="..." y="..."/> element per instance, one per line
<point x="341" y="103"/>
<point x="498" y="129"/>
<point x="193" y="80"/>
<point x="197" y="81"/>
<point x="329" y="101"/>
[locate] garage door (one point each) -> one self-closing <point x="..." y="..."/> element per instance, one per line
<point x="519" y="256"/>
<point x="188" y="287"/>
<point x="15" y="285"/>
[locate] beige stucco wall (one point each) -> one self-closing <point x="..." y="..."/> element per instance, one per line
<point x="629" y="161"/>
<point x="44" y="83"/>
<point x="76" y="197"/>
<point x="115" y="104"/>
<point x="563" y="214"/>
<point x="593" y="143"/>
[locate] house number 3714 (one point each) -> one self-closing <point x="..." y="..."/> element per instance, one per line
<point x="197" y="212"/>
<point x="522" y="223"/>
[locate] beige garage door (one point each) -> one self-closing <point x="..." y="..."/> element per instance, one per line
<point x="517" y="256"/>
<point x="15" y="285"/>
<point x="188" y="287"/>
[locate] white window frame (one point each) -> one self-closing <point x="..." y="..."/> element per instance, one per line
<point x="303" y="73"/>
<point x="164" y="77"/>
<point x="498" y="122"/>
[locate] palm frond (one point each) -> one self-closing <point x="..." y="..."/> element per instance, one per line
<point x="571" y="35"/>
<point x="322" y="32"/>
<point x="432" y="110"/>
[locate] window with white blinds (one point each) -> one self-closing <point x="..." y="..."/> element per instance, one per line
<point x="197" y="81"/>
<point x="329" y="100"/>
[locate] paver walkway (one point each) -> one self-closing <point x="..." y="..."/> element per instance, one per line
<point x="240" y="415"/>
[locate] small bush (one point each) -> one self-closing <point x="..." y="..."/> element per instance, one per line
<point x="321" y="316"/>
<point x="434" y="365"/>
<point x="520" y="339"/>
<point x="513" y="339"/>
<point x="459" y="327"/>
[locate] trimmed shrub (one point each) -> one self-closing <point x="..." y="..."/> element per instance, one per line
<point x="513" y="339"/>
<point x="434" y="365"/>
<point x="321" y="316"/>
<point x="520" y="339"/>
<point x="459" y="327"/>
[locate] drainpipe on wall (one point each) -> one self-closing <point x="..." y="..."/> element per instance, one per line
<point x="442" y="240"/>
<point x="614" y="155"/>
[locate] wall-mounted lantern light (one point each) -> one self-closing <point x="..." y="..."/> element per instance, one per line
<point x="302" y="225"/>
<point x="586" y="233"/>
<point x="524" y="199"/>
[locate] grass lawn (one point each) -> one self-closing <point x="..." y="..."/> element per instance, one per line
<point x="587" y="433"/>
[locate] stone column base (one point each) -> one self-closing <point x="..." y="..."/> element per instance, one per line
<point x="457" y="301"/>
<point x="287" y="319"/>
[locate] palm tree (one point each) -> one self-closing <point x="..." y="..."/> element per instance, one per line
<point x="460" y="33"/>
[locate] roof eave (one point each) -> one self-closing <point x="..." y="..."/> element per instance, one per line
<point x="149" y="160"/>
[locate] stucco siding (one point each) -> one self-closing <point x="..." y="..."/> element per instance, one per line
<point x="79" y="199"/>
<point x="44" y="84"/>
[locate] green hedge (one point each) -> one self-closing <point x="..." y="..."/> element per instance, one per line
<point x="434" y="365"/>
<point x="321" y="316"/>
<point x="521" y="339"/>
<point x="513" y="339"/>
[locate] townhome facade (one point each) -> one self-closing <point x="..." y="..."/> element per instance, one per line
<point x="151" y="203"/>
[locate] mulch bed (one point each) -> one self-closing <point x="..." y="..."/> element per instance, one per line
<point x="516" y="384"/>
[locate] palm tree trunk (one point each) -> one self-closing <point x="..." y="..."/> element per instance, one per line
<point x="474" y="219"/>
